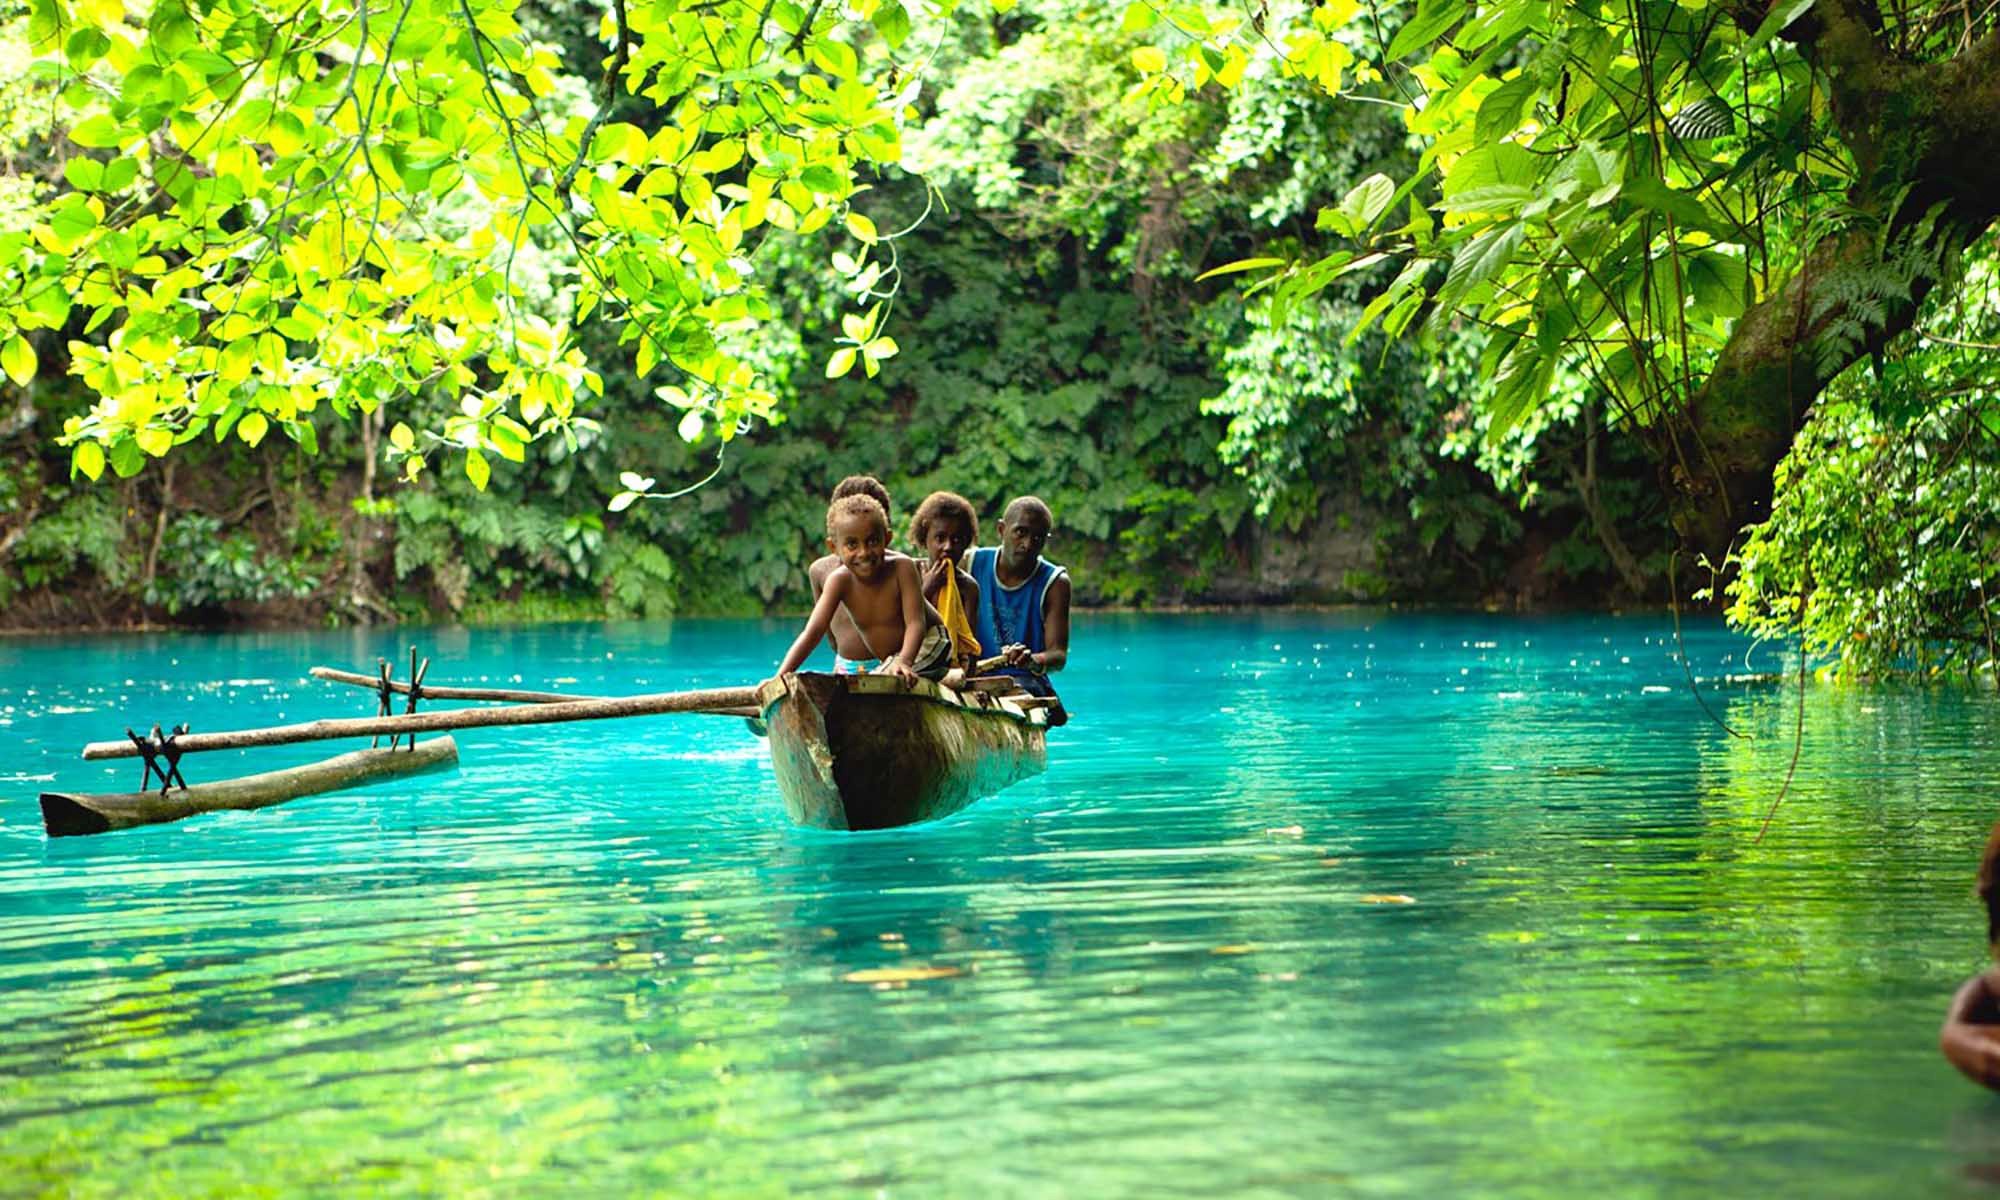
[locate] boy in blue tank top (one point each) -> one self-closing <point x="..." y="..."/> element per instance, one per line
<point x="1024" y="598"/>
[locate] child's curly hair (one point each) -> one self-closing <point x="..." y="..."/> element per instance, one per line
<point x="858" y="505"/>
<point x="863" y="485"/>
<point x="943" y="506"/>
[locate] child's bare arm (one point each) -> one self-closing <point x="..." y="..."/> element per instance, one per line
<point x="910" y="591"/>
<point x="822" y="615"/>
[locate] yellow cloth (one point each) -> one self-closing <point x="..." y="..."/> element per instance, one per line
<point x="958" y="622"/>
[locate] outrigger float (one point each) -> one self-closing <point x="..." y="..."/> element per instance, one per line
<point x="849" y="751"/>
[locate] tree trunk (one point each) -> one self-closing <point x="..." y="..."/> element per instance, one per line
<point x="159" y="528"/>
<point x="1585" y="482"/>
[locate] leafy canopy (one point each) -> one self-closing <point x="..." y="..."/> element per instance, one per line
<point x="273" y="205"/>
<point x="1608" y="187"/>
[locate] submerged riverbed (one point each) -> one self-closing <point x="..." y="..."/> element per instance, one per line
<point x="1306" y="905"/>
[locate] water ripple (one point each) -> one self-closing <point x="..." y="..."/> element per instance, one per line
<point x="1306" y="905"/>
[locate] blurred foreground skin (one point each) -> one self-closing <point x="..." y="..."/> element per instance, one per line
<point x="1971" y="1034"/>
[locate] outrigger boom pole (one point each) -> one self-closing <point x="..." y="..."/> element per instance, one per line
<point x="727" y="701"/>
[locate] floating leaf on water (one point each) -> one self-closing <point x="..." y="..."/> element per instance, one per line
<point x="1387" y="898"/>
<point x="1287" y="831"/>
<point x="1237" y="948"/>
<point x="900" y="974"/>
<point x="1329" y="862"/>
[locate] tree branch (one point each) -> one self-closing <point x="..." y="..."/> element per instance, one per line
<point x="608" y="95"/>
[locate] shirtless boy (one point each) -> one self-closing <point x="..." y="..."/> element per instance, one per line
<point x="840" y="635"/>
<point x="882" y="596"/>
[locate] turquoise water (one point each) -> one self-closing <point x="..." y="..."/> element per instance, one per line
<point x="1306" y="905"/>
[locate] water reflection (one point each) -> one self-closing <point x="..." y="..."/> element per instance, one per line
<point x="1307" y="904"/>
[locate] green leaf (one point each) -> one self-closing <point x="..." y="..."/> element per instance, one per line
<point x="1139" y="17"/>
<point x="1647" y="191"/>
<point x="98" y="132"/>
<point x="1150" y="60"/>
<point x="622" y="501"/>
<point x="88" y="457"/>
<point x="1719" y="282"/>
<point x="71" y="219"/>
<point x="253" y="427"/>
<point x="1500" y="112"/>
<point x="1708" y="117"/>
<point x="841" y="363"/>
<point x="154" y="441"/>
<point x="1432" y="19"/>
<point x="893" y="23"/>
<point x="1781" y="15"/>
<point x="1476" y="262"/>
<point x="690" y="426"/>
<point x="507" y="442"/>
<point x="18" y="359"/>
<point x="1490" y="164"/>
<point x="476" y="469"/>
<point x="127" y="459"/>
<point x="1495" y="198"/>
<point x="1407" y="283"/>
<point x="1368" y="200"/>
<point x="1523" y="381"/>
<point x="835" y="58"/>
<point x="84" y="174"/>
<point x="85" y="46"/>
<point x="1241" y="264"/>
<point x="822" y="178"/>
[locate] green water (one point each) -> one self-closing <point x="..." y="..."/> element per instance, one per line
<point x="599" y="961"/>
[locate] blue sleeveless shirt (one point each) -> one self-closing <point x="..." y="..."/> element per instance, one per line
<point x="1009" y="615"/>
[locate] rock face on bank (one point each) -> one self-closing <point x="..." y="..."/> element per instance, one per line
<point x="1335" y="559"/>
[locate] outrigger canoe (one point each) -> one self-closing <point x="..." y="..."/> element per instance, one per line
<point x="869" y="752"/>
<point x="849" y="752"/>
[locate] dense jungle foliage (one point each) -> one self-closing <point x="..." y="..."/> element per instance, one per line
<point x="1538" y="296"/>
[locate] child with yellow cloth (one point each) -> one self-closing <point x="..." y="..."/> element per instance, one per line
<point x="943" y="529"/>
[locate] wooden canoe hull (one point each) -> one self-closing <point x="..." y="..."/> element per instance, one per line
<point x="66" y="814"/>
<point x="863" y="752"/>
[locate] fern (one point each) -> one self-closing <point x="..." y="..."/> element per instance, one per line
<point x="638" y="579"/>
<point x="1859" y="296"/>
<point x="86" y="530"/>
